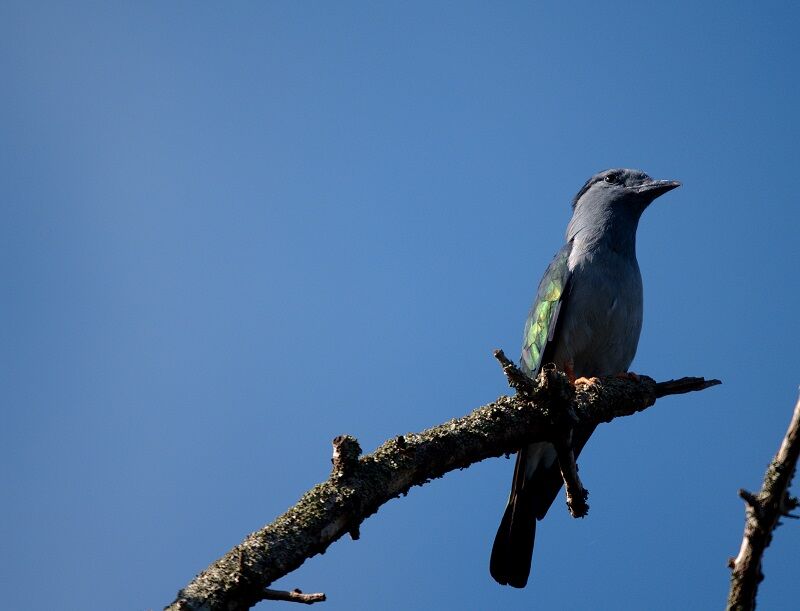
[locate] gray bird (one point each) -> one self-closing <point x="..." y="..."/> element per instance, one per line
<point x="586" y="319"/>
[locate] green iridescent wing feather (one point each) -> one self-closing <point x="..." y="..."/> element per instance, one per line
<point x="542" y="319"/>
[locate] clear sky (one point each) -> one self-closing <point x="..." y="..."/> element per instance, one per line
<point x="232" y="232"/>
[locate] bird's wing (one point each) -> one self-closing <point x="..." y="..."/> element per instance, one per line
<point x="537" y="477"/>
<point x="541" y="326"/>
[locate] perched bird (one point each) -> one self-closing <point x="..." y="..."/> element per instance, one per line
<point x="586" y="319"/>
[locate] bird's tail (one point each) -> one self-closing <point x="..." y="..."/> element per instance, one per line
<point x="536" y="482"/>
<point x="512" y="551"/>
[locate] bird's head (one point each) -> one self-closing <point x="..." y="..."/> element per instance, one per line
<point x="612" y="201"/>
<point x="621" y="191"/>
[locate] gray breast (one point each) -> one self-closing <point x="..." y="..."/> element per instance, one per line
<point x="603" y="315"/>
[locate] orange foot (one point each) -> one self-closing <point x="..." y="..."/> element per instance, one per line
<point x="571" y="376"/>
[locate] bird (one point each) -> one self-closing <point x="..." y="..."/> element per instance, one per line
<point x="586" y="319"/>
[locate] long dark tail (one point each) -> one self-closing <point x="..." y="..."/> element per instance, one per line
<point x="537" y="480"/>
<point x="512" y="551"/>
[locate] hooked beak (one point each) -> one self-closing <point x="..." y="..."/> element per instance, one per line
<point x="654" y="188"/>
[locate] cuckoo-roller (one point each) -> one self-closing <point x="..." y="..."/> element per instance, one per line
<point x="586" y="318"/>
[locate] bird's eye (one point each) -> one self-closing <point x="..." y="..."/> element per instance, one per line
<point x="612" y="179"/>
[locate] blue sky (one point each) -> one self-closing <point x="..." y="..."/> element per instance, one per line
<point x="231" y="233"/>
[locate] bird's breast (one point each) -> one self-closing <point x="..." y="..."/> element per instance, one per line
<point x="603" y="317"/>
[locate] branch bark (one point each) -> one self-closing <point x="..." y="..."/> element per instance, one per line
<point x="358" y="486"/>
<point x="762" y="516"/>
<point x="295" y="596"/>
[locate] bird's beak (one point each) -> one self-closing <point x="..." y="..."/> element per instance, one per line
<point x="654" y="188"/>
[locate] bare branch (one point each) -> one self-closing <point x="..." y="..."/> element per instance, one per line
<point x="762" y="513"/>
<point x="359" y="486"/>
<point x="516" y="379"/>
<point x="577" y="495"/>
<point x="295" y="596"/>
<point x="677" y="387"/>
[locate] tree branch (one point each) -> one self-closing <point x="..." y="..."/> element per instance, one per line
<point x="561" y="397"/>
<point x="762" y="514"/>
<point x="295" y="596"/>
<point x="357" y="486"/>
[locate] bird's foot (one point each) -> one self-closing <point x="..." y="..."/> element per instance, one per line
<point x="575" y="381"/>
<point x="627" y="375"/>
